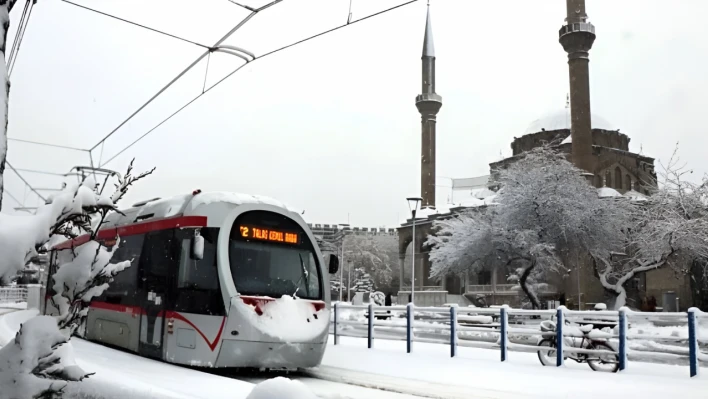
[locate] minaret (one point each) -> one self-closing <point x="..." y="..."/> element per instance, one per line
<point x="577" y="37"/>
<point x="428" y="104"/>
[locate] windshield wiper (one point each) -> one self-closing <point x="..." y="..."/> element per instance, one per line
<point x="304" y="273"/>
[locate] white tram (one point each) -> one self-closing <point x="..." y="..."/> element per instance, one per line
<point x="208" y="270"/>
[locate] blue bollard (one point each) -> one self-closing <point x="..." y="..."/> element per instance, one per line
<point x="336" y="313"/>
<point x="692" y="342"/>
<point x="409" y="327"/>
<point x="453" y="331"/>
<point x="371" y="326"/>
<point x="559" y="336"/>
<point x="504" y="336"/>
<point x="622" y="339"/>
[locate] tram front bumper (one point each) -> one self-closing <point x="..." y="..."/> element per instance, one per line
<point x="275" y="355"/>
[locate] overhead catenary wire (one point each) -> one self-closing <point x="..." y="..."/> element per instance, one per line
<point x="19" y="36"/>
<point x="24" y="180"/>
<point x="240" y="67"/>
<point x="135" y="24"/>
<point x="187" y="69"/>
<point x="47" y="144"/>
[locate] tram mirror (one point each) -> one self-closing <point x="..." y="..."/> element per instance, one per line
<point x="197" y="252"/>
<point x="333" y="264"/>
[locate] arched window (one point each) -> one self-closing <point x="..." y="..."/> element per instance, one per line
<point x="608" y="179"/>
<point x="598" y="181"/>
<point x="618" y="178"/>
<point x="627" y="182"/>
<point x="636" y="186"/>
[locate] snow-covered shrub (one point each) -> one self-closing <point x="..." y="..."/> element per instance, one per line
<point x="83" y="273"/>
<point x="30" y="366"/>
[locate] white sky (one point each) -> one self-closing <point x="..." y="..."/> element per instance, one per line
<point x="330" y="126"/>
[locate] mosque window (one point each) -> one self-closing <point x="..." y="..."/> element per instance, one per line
<point x="608" y="179"/>
<point x="627" y="182"/>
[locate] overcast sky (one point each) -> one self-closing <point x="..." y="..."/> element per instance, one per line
<point x="330" y="126"/>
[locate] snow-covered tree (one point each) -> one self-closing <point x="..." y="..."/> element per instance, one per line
<point x="363" y="281"/>
<point x="669" y="229"/>
<point x="544" y="206"/>
<point x="377" y="254"/>
<point x="83" y="273"/>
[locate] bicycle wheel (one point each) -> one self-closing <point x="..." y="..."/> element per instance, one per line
<point x="602" y="362"/>
<point x="547" y="357"/>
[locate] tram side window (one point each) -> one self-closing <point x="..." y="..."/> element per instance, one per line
<point x="123" y="289"/>
<point x="158" y="255"/>
<point x="198" y="289"/>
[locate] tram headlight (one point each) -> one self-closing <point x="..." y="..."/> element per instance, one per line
<point x="170" y="326"/>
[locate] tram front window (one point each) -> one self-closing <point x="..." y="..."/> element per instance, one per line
<point x="272" y="270"/>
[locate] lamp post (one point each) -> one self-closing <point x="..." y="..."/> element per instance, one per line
<point x="341" y="269"/>
<point x="413" y="203"/>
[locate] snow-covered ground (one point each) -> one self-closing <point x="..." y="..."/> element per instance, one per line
<point x="351" y="371"/>
<point x="480" y="373"/>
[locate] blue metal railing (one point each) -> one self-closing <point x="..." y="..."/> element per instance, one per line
<point x="457" y="321"/>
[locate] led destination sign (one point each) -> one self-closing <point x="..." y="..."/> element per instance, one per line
<point x="272" y="235"/>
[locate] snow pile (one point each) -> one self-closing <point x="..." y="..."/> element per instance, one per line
<point x="281" y="388"/>
<point x="20" y="234"/>
<point x="29" y="364"/>
<point x="482" y="193"/>
<point x="290" y="319"/>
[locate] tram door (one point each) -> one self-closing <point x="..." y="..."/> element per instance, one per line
<point x="155" y="263"/>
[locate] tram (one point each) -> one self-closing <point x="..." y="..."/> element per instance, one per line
<point x="216" y="280"/>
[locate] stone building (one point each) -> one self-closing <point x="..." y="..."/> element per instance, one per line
<point x="590" y="142"/>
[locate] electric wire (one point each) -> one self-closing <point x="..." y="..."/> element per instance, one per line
<point x="24" y="180"/>
<point x="47" y="144"/>
<point x="189" y="67"/>
<point x="240" y="67"/>
<point x="9" y="194"/>
<point x="135" y="24"/>
<point x="21" y="36"/>
<point x="17" y="34"/>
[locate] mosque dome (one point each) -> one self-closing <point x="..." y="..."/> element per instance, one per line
<point x="561" y="120"/>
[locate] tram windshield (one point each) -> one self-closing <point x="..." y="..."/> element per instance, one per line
<point x="265" y="269"/>
<point x="273" y="259"/>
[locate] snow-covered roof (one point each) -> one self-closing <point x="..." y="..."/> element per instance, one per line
<point x="635" y="195"/>
<point x="561" y="120"/>
<point x="608" y="192"/>
<point x="186" y="203"/>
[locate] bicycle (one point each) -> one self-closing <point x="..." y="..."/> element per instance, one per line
<point x="595" y="361"/>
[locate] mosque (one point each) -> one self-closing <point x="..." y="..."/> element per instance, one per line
<point x="591" y="143"/>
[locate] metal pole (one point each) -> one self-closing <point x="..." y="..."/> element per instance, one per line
<point x="413" y="263"/>
<point x="349" y="283"/>
<point x="341" y="271"/>
<point x="577" y="267"/>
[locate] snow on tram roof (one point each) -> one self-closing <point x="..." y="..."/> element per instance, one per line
<point x="186" y="203"/>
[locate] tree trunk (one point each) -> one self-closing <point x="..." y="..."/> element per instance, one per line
<point x="535" y="303"/>
<point x="5" y="7"/>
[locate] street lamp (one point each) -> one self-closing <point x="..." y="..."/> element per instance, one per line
<point x="413" y="203"/>
<point x="341" y="268"/>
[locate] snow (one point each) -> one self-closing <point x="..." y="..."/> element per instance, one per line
<point x="90" y="262"/>
<point x="560" y="119"/>
<point x="605" y="192"/>
<point x="281" y="388"/>
<point x="290" y="319"/>
<point x="28" y="362"/>
<point x="567" y="140"/>
<point x="635" y="195"/>
<point x="21" y="233"/>
<point x="479" y="372"/>
<point x="236" y="199"/>
<point x="482" y="193"/>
